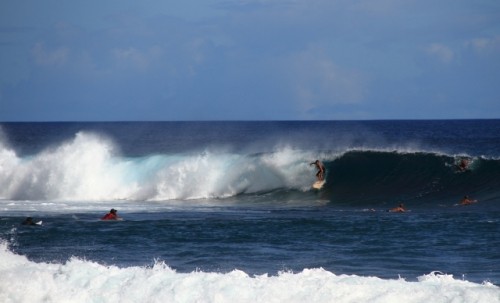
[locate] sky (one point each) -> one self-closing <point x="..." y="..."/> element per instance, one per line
<point x="123" y="60"/>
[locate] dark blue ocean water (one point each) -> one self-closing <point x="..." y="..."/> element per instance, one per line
<point x="219" y="196"/>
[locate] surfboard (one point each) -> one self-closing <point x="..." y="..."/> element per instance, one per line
<point x="318" y="184"/>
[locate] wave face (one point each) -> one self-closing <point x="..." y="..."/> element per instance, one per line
<point x="85" y="281"/>
<point x="90" y="167"/>
<point x="417" y="177"/>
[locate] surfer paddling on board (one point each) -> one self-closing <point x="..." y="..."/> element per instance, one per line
<point x="111" y="215"/>
<point x="467" y="201"/>
<point x="320" y="175"/>
<point x="28" y="221"/>
<point x="399" y="209"/>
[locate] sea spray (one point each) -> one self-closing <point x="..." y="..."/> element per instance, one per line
<point x="88" y="168"/>
<point x="83" y="168"/>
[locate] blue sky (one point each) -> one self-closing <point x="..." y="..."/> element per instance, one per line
<point x="249" y="60"/>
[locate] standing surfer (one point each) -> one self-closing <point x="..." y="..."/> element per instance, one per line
<point x="320" y="175"/>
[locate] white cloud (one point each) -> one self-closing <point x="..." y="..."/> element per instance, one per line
<point x="136" y="59"/>
<point x="483" y="44"/>
<point x="441" y="52"/>
<point x="55" y="57"/>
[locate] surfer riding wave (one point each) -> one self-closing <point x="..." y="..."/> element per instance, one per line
<point x="320" y="175"/>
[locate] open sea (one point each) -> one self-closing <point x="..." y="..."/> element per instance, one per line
<point x="225" y="212"/>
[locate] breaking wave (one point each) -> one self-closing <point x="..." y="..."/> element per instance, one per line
<point x="89" y="167"/>
<point x="79" y="280"/>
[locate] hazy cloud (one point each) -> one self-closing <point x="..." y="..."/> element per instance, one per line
<point x="485" y="44"/>
<point x="136" y="59"/>
<point x="441" y="52"/>
<point x="53" y="57"/>
<point x="318" y="81"/>
<point x="249" y="59"/>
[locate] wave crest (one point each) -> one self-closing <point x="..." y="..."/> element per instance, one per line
<point x="89" y="167"/>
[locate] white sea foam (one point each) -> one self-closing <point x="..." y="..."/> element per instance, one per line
<point x="78" y="280"/>
<point x="88" y="168"/>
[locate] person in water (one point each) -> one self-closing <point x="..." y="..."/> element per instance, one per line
<point x="111" y="215"/>
<point x="399" y="209"/>
<point x="320" y="175"/>
<point x="463" y="165"/>
<point x="467" y="201"/>
<point x="28" y="221"/>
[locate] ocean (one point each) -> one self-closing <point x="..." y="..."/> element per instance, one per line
<point x="225" y="211"/>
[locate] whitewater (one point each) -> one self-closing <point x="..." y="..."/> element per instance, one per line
<point x="86" y="168"/>
<point x="84" y="281"/>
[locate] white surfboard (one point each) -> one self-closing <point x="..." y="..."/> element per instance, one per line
<point x="318" y="184"/>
